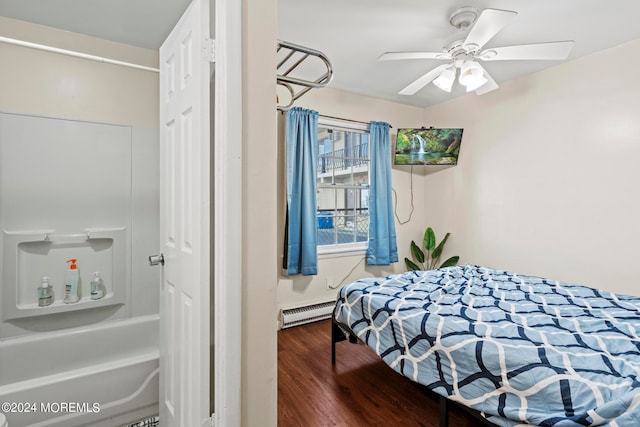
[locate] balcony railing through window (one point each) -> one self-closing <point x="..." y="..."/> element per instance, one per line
<point x="344" y="158"/>
<point x="339" y="226"/>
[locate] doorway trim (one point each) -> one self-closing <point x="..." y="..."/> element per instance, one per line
<point x="227" y="210"/>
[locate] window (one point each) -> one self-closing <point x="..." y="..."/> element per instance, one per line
<point x="342" y="182"/>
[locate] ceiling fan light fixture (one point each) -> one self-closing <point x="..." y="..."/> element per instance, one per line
<point x="446" y="79"/>
<point x="471" y="76"/>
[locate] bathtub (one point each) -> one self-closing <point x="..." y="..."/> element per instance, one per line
<point x="105" y="375"/>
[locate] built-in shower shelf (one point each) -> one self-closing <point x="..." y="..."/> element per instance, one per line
<point x="59" y="306"/>
<point x="33" y="254"/>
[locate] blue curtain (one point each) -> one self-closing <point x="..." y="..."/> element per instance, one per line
<point x="302" y="160"/>
<point x="383" y="249"/>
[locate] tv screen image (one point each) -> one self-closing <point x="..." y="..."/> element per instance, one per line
<point x="428" y="146"/>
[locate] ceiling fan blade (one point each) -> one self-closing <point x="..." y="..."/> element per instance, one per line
<point x="550" y="51"/>
<point x="490" y="22"/>
<point x="489" y="85"/>
<point x="393" y="56"/>
<point x="423" y="80"/>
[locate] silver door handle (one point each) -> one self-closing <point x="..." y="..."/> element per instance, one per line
<point x="156" y="259"/>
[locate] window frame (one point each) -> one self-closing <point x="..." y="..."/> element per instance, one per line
<point x="354" y="248"/>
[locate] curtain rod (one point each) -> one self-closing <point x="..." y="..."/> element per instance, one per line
<point x="346" y="120"/>
<point x="75" y="54"/>
<point x="340" y="118"/>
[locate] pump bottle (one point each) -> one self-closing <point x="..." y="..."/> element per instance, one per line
<point x="72" y="285"/>
<point x="97" y="286"/>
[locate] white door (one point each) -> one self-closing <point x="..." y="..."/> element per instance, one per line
<point x="184" y="222"/>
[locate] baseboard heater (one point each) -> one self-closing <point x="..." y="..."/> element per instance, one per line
<point x="307" y="314"/>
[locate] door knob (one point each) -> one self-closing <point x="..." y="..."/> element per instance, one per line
<point x="156" y="259"/>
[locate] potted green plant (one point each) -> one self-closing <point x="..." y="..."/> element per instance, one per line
<point x="430" y="260"/>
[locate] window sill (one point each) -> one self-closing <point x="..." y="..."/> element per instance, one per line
<point x="338" y="251"/>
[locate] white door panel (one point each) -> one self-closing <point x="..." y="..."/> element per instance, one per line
<point x="184" y="221"/>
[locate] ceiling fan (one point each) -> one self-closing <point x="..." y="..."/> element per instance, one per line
<point x="464" y="54"/>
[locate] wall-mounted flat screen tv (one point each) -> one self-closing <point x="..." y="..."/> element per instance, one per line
<point x="428" y="146"/>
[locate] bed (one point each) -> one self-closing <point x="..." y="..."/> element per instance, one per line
<point x="517" y="349"/>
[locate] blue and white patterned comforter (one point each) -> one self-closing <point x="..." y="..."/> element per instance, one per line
<point x="519" y="349"/>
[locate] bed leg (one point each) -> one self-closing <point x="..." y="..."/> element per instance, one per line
<point x="336" y="334"/>
<point x="444" y="411"/>
<point x="333" y="344"/>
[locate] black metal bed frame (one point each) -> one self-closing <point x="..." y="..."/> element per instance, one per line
<point x="341" y="332"/>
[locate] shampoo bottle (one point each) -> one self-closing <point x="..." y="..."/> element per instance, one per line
<point x="72" y="289"/>
<point x="97" y="286"/>
<point x="45" y="293"/>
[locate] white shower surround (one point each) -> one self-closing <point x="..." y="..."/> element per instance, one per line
<point x="105" y="351"/>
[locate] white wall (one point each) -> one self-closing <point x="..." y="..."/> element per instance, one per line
<point x="259" y="261"/>
<point x="300" y="290"/>
<point x="45" y="84"/>
<point x="546" y="183"/>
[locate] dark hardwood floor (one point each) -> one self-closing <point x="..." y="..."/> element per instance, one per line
<point x="359" y="390"/>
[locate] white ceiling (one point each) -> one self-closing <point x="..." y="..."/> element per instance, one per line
<point x="353" y="33"/>
<point x="143" y="23"/>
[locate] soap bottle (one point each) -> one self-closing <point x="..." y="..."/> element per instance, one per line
<point x="45" y="293"/>
<point x="72" y="286"/>
<point x="97" y="286"/>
